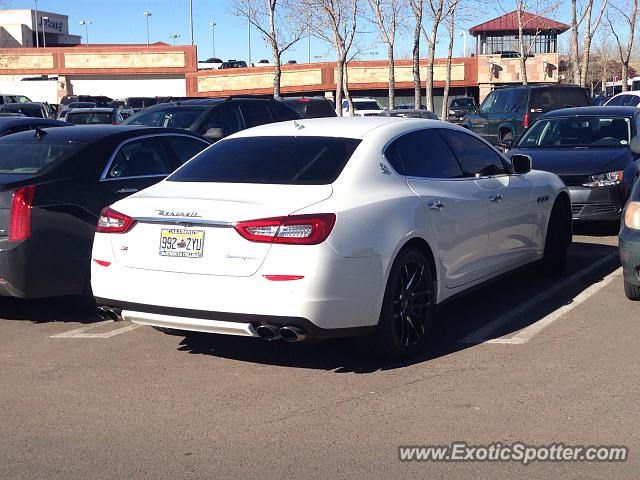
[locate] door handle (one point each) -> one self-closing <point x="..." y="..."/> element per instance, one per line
<point x="435" y="205"/>
<point x="496" y="198"/>
<point x="127" y="190"/>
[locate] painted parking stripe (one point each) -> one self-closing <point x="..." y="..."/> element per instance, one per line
<point x="484" y="334"/>
<point x="82" y="332"/>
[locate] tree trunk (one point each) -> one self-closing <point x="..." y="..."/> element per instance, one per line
<point x="625" y="76"/>
<point x="417" y="100"/>
<point x="523" y="52"/>
<point x="345" y="85"/>
<point x="431" y="59"/>
<point x="273" y="39"/>
<point x="339" y="81"/>
<point x="575" y="54"/>
<point x="392" y="78"/>
<point x="586" y="45"/>
<point x="277" y="72"/>
<point x="447" y="82"/>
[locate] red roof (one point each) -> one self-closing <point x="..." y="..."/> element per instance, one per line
<point x="509" y="23"/>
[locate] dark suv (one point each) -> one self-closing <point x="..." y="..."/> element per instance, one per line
<point x="506" y="113"/>
<point x="215" y="118"/>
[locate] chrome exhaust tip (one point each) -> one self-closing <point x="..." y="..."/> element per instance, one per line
<point x="102" y="313"/>
<point x="268" y="332"/>
<point x="292" y="334"/>
<point x="114" y="314"/>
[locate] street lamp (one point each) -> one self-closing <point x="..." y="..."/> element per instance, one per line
<point x="463" y="34"/>
<point x="174" y="36"/>
<point x="44" y="38"/>
<point x="213" y="37"/>
<point x="86" y="24"/>
<point x="147" y="15"/>
<point x="37" y="39"/>
<point x="191" y="19"/>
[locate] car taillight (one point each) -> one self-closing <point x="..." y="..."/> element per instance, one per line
<point x="525" y="120"/>
<point x="293" y="230"/>
<point x="20" y="219"/>
<point x="111" y="221"/>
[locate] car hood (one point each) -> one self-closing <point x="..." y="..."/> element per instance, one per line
<point x="577" y="161"/>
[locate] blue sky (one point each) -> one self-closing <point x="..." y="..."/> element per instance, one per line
<point x="122" y="21"/>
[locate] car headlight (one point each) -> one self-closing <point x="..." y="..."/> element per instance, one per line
<point x="632" y="217"/>
<point x="604" y="179"/>
<point x="452" y="112"/>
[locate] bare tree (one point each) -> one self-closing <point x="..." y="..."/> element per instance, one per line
<point x="387" y="16"/>
<point x="436" y="12"/>
<point x="336" y="25"/>
<point x="581" y="66"/>
<point x="417" y="7"/>
<point x="272" y="18"/>
<point x="451" y="22"/>
<point x="623" y="12"/>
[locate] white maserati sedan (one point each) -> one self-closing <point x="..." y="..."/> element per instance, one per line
<point x="327" y="227"/>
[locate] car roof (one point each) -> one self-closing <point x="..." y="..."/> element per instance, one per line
<point x="27" y="104"/>
<point x="343" y="127"/>
<point x="630" y="92"/>
<point x="90" y="133"/>
<point x="92" y="110"/>
<point x="11" y="121"/>
<point x="595" y="111"/>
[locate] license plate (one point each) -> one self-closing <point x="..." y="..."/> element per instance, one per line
<point x="181" y="242"/>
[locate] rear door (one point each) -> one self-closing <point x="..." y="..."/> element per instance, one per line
<point x="479" y="123"/>
<point x="453" y="204"/>
<point x="508" y="197"/>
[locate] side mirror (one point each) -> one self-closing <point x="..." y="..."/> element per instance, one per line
<point x="215" y="133"/>
<point x="521" y="164"/>
<point x="635" y="145"/>
<point x="507" y="143"/>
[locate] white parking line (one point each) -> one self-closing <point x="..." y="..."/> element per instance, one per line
<point x="484" y="334"/>
<point x="82" y="331"/>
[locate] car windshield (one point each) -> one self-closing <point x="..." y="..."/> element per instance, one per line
<point x="584" y="131"/>
<point x="88" y="118"/>
<point x="31" y="157"/>
<point x="176" y="117"/>
<point x="463" y="102"/>
<point x="271" y="160"/>
<point x="366" y="105"/>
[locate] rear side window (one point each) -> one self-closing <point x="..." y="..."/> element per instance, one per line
<point x="184" y="148"/>
<point x="617" y="101"/>
<point x="423" y="154"/>
<point x="271" y="160"/>
<point x="476" y="158"/>
<point x="255" y="113"/>
<point x="547" y="99"/>
<point x="283" y="111"/>
<point x="139" y="158"/>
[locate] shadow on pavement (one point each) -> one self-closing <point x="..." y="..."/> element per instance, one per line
<point x="42" y="310"/>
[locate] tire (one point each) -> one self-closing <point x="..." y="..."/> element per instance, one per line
<point x="632" y="291"/>
<point x="558" y="240"/>
<point x="398" y="335"/>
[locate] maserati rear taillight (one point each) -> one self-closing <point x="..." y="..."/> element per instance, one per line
<point x="20" y="218"/>
<point x="292" y="230"/>
<point x="111" y="221"/>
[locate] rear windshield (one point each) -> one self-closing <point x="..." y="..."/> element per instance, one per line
<point x="586" y="131"/>
<point x="547" y="99"/>
<point x="463" y="102"/>
<point x="31" y="157"/>
<point x="85" y="118"/>
<point x="29" y="111"/>
<point x="366" y="105"/>
<point x="176" y="117"/>
<point x="275" y="160"/>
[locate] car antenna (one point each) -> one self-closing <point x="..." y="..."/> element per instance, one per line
<point x="40" y="133"/>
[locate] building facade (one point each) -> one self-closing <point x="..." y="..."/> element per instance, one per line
<point x="18" y="29"/>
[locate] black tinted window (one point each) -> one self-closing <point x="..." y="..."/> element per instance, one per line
<point x="139" y="158"/>
<point x="171" y="116"/>
<point x="276" y="160"/>
<point x="255" y="113"/>
<point x="547" y="99"/>
<point x="500" y="104"/>
<point x="632" y="101"/>
<point x="477" y="158"/>
<point x="226" y="117"/>
<point x="487" y="104"/>
<point x="617" y="101"/>
<point x="423" y="154"/>
<point x="515" y="100"/>
<point x="184" y="148"/>
<point x="283" y="111"/>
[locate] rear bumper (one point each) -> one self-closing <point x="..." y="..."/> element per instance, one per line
<point x="599" y="203"/>
<point x="629" y="247"/>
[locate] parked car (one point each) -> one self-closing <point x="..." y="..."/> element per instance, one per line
<point x="135" y="104"/>
<point x="335" y="227"/>
<point x="21" y="123"/>
<point x="215" y="118"/>
<point x="624" y="99"/>
<point x="73" y="105"/>
<point x="94" y="116"/>
<point x="363" y="107"/>
<point x="460" y="107"/>
<point x="600" y="100"/>
<point x="99" y="100"/>
<point x="506" y="113"/>
<point x="629" y="242"/>
<point x="409" y="106"/>
<point x="232" y="64"/>
<point x="53" y="184"/>
<point x="407" y="113"/>
<point x="311" y="107"/>
<point x="29" y="109"/>
<point x="589" y="148"/>
<point x="7" y="98"/>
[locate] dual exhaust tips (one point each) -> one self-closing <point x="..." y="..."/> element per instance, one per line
<point x="287" y="333"/>
<point x="109" y="313"/>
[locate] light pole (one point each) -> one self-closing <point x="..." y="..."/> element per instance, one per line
<point x="37" y="38"/>
<point x="86" y="24"/>
<point x="147" y="15"/>
<point x="213" y="37"/>
<point x="309" y="36"/>
<point x="174" y="36"/>
<point x="191" y="19"/>
<point x="44" y="38"/>
<point x="463" y="34"/>
<point x="249" y="25"/>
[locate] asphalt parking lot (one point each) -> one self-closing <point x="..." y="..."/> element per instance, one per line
<point x="527" y="358"/>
